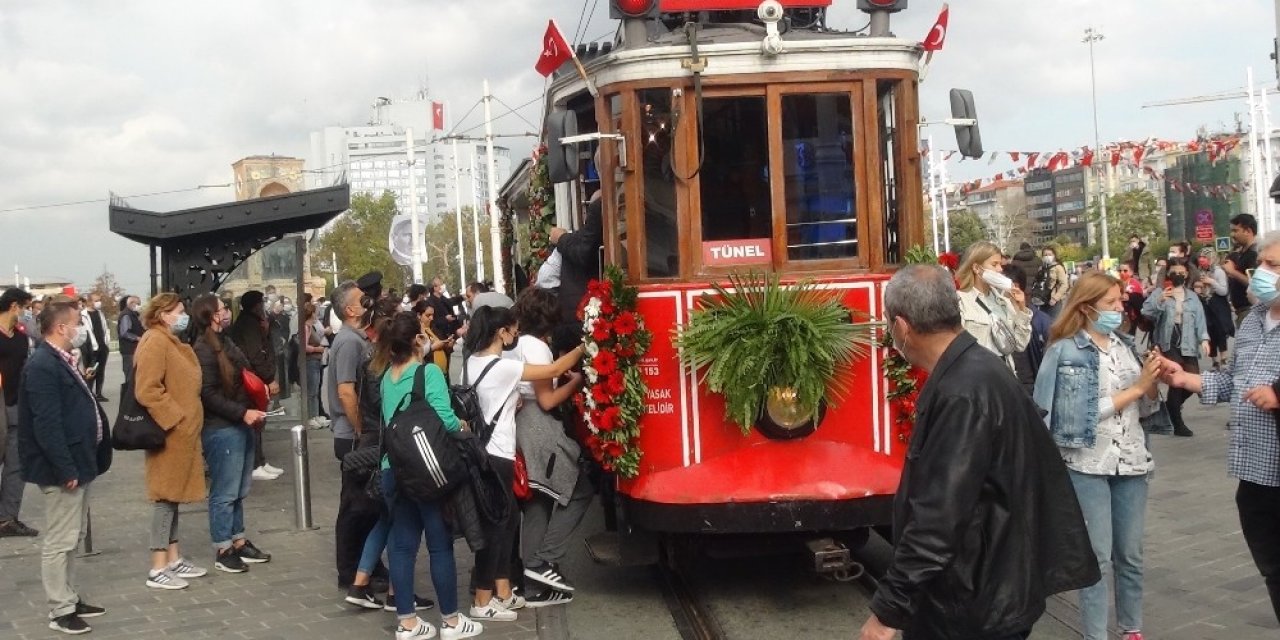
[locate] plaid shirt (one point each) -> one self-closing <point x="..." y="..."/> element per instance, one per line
<point x="1254" y="451"/>
<point x="70" y="360"/>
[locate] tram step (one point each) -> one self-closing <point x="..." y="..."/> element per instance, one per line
<point x="618" y="549"/>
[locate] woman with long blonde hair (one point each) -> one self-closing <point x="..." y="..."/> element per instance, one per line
<point x="1095" y="387"/>
<point x="992" y="310"/>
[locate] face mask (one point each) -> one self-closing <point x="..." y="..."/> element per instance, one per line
<point x="181" y="323"/>
<point x="1204" y="265"/>
<point x="97" y="305"/>
<point x="27" y="315"/>
<point x="335" y="323"/>
<point x="1134" y="244"/>
<point x="82" y="334"/>
<point x="134" y="307"/>
<point x="1173" y="254"/>
<point x="1107" y="321"/>
<point x="997" y="280"/>
<point x="404" y="301"/>
<point x="1263" y="285"/>
<point x="288" y="309"/>
<point x="225" y="321"/>
<point x="1049" y="260"/>
<point x="1178" y="279"/>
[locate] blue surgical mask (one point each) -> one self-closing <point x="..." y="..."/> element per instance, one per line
<point x="181" y="323"/>
<point x="1263" y="285"/>
<point x="1107" y="321"/>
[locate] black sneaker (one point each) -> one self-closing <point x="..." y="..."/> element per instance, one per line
<point x="547" y="598"/>
<point x="419" y="603"/>
<point x="229" y="560"/>
<point x="362" y="596"/>
<point x="16" y="529"/>
<point x="70" y="624"/>
<point x="548" y="574"/>
<point x="88" y="611"/>
<point x="251" y="554"/>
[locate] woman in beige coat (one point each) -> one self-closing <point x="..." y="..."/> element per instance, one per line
<point x="167" y="383"/>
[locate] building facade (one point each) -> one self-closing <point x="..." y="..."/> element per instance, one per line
<point x="1002" y="208"/>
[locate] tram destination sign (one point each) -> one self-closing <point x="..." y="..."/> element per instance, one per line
<point x="674" y="6"/>
<point x="731" y="253"/>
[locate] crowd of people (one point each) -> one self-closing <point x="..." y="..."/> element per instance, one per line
<point x="1009" y="496"/>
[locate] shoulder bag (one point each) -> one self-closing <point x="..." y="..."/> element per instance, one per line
<point x="135" y="428"/>
<point x="1001" y="335"/>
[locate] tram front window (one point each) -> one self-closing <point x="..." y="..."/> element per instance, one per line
<point x="817" y="147"/>
<point x="734" y="178"/>
<point x="662" y="236"/>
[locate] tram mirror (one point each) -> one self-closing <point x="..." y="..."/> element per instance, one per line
<point x="968" y="138"/>
<point x="562" y="159"/>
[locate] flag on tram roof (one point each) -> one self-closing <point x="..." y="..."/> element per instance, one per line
<point x="555" y="50"/>
<point x="938" y="34"/>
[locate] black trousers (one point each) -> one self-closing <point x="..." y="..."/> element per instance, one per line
<point x="494" y="562"/>
<point x="1178" y="396"/>
<point x="357" y="515"/>
<point x="1259" y="508"/>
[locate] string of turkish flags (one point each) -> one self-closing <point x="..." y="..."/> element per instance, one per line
<point x="1128" y="154"/>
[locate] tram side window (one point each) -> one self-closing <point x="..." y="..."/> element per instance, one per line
<point x="887" y="117"/>
<point x="736" y="201"/>
<point x="662" y="237"/>
<point x="817" y="147"/>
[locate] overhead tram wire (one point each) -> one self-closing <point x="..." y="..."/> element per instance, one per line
<point x="577" y="29"/>
<point x="587" y="22"/>
<point x="526" y="120"/>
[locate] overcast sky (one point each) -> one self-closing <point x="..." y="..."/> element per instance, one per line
<point x="139" y="96"/>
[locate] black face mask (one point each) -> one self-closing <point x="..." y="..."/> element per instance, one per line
<point x="508" y="346"/>
<point x="1178" y="279"/>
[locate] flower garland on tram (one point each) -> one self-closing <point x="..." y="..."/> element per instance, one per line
<point x="612" y="398"/>
<point x="542" y="211"/>
<point x="906" y="381"/>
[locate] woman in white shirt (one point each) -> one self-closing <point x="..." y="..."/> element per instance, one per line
<point x="992" y="310"/>
<point x="494" y="330"/>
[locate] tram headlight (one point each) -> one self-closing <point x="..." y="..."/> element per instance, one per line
<point x="785" y="418"/>
<point x="633" y="8"/>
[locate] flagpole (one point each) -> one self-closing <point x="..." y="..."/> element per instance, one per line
<point x="413" y="209"/>
<point x="933" y="193"/>
<point x="942" y="196"/>
<point x="457" y="206"/>
<point x="475" y="213"/>
<point x="495" y="232"/>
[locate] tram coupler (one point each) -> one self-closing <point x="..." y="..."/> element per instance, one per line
<point x="833" y="559"/>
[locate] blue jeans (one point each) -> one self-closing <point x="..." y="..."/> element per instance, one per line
<point x="229" y="453"/>
<point x="409" y="521"/>
<point x="314" y="371"/>
<point x="373" y="545"/>
<point x="1115" y="512"/>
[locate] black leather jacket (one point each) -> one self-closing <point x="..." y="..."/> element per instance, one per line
<point x="986" y="522"/>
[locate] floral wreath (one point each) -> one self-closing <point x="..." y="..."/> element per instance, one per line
<point x="905" y="381"/>
<point x="612" y="399"/>
<point x="542" y="211"/>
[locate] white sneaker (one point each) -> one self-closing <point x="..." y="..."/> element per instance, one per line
<point x="493" y="611"/>
<point x="273" y="470"/>
<point x="423" y="630"/>
<point x="165" y="580"/>
<point x="184" y="569"/>
<point x="510" y="604"/>
<point x="466" y="628"/>
<point x="262" y="474"/>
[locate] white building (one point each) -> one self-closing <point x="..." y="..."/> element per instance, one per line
<point x="373" y="158"/>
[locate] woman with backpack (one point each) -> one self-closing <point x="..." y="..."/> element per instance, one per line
<point x="560" y="491"/>
<point x="492" y="331"/>
<point x="397" y="359"/>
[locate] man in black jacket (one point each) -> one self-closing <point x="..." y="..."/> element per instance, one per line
<point x="580" y="255"/>
<point x="129" y="332"/>
<point x="252" y="333"/>
<point x="65" y="443"/>
<point x="986" y="525"/>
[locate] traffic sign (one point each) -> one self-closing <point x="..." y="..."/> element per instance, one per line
<point x="1204" y="232"/>
<point x="1204" y="216"/>
<point x="1223" y="244"/>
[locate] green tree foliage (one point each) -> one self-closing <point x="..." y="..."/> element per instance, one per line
<point x="966" y="229"/>
<point x="359" y="240"/>
<point x="109" y="288"/>
<point x="1132" y="213"/>
<point x="442" y="248"/>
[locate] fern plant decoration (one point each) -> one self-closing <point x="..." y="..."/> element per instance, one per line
<point x="756" y="335"/>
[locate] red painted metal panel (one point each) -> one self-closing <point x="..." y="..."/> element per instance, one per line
<point x="718" y="5"/>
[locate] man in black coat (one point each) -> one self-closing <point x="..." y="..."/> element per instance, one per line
<point x="986" y="525"/>
<point x="580" y="255"/>
<point x="65" y="443"/>
<point x="252" y="333"/>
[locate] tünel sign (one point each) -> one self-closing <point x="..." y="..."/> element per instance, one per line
<point x="724" y="253"/>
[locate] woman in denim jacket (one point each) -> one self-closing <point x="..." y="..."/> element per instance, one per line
<point x="1092" y="382"/>
<point x="1181" y="332"/>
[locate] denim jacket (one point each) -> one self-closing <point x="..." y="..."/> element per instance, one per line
<point x="1067" y="388"/>
<point x="1195" y="328"/>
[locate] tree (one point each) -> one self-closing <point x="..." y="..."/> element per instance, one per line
<point x="1132" y="213"/>
<point x="1009" y="227"/>
<point x="441" y="237"/>
<point x="109" y="289"/>
<point x="359" y="240"/>
<point x="966" y="229"/>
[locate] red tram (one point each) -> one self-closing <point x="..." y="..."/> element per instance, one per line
<point x="738" y="137"/>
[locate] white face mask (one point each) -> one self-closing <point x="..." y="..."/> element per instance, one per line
<point x="335" y="323"/>
<point x="82" y="335"/>
<point x="97" y="305"/>
<point x="1049" y="260"/>
<point x="997" y="280"/>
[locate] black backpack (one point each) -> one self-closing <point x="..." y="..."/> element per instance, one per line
<point x="423" y="454"/>
<point x="466" y="403"/>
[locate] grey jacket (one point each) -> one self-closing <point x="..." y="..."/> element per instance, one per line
<point x="550" y="455"/>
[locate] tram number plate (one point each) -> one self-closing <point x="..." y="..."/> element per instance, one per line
<point x="723" y="253"/>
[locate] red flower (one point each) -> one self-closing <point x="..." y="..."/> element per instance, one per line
<point x="601" y="395"/>
<point x="602" y="330"/>
<point x="625" y="352"/>
<point x="609" y="419"/>
<point x="616" y="384"/>
<point x="625" y="324"/>
<point x="605" y="363"/>
<point x="612" y="448"/>
<point x="606" y="307"/>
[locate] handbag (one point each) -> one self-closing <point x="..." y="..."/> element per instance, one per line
<point x="135" y="428"/>
<point x="1001" y="334"/>
<point x="255" y="389"/>
<point x="520" y="481"/>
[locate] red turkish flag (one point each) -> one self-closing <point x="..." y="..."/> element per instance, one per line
<point x="555" y="50"/>
<point x="437" y="116"/>
<point x="938" y="34"/>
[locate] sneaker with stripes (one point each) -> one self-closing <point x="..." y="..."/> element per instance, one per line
<point x="549" y="597"/>
<point x="464" y="628"/>
<point x="423" y="629"/>
<point x="548" y="574"/>
<point x="165" y="580"/>
<point x="184" y="569"/>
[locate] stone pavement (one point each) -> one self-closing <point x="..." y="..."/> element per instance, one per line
<point x="294" y="596"/>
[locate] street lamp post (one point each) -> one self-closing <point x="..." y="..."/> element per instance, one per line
<point x="1091" y="36"/>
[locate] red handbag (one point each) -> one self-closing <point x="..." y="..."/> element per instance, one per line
<point x="520" y="482"/>
<point x="256" y="389"/>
